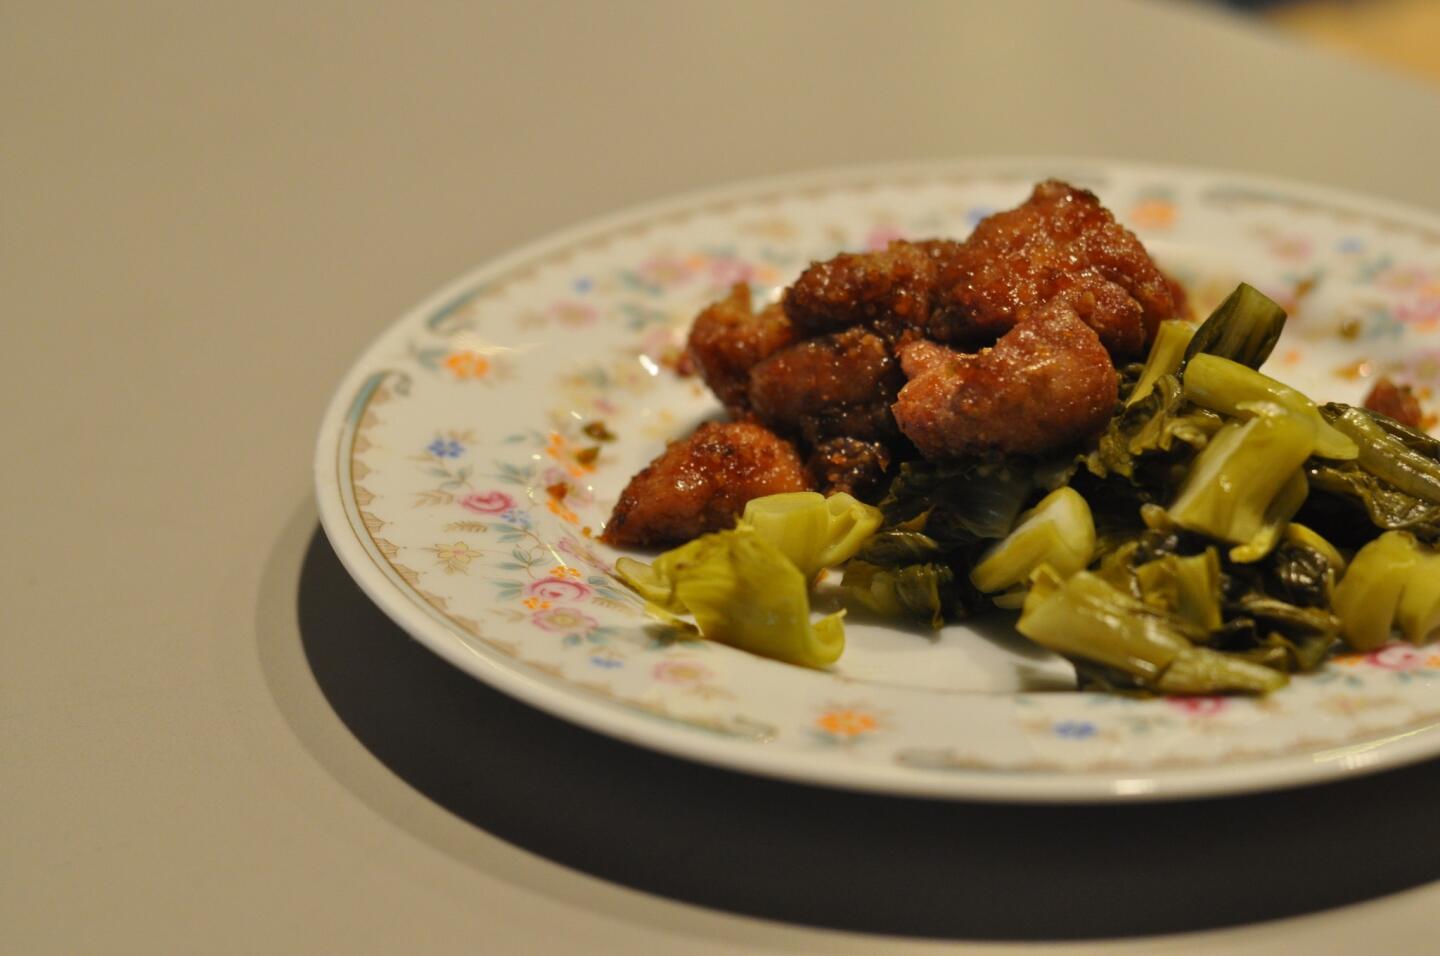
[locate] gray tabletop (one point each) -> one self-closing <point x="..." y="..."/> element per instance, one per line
<point x="213" y="743"/>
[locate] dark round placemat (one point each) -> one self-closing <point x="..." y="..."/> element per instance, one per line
<point x="844" y="860"/>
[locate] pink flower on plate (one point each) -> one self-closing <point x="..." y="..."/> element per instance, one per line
<point x="728" y="271"/>
<point x="563" y="620"/>
<point x="1421" y="311"/>
<point x="488" y="502"/>
<point x="1197" y="706"/>
<point x="881" y="236"/>
<point x="1398" y="657"/>
<point x="573" y="547"/>
<point x="1402" y="278"/>
<point x="558" y="589"/>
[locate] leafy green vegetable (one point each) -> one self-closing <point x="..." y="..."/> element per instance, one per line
<point x="960" y="501"/>
<point x="1187" y="587"/>
<point x="1246" y="483"/>
<point x="1387" y="456"/>
<point x="913" y="592"/>
<point x="1167" y="353"/>
<point x="1299" y="536"/>
<point x="1392" y="582"/>
<point x="1083" y="616"/>
<point x="1224" y="386"/>
<point x="1159" y="423"/>
<point x="906" y="574"/>
<point x="1301" y="575"/>
<point x="742" y="591"/>
<point x="1339" y="491"/>
<point x="1244" y="328"/>
<point x="1058" y="532"/>
<point x="813" y="531"/>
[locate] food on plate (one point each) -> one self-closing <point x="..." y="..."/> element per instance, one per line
<point x="1396" y="401"/>
<point x="1182" y="524"/>
<point x="1047" y="376"/>
<point x="1059" y="245"/>
<point x="729" y="338"/>
<point x="1005" y="342"/>
<point x="701" y="483"/>
<point x="747" y="586"/>
<point x="832" y="386"/>
<point x="1393" y="583"/>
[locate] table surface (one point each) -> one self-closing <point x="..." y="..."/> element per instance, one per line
<point x="214" y="743"/>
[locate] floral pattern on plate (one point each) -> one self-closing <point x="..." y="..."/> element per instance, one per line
<point x="471" y="456"/>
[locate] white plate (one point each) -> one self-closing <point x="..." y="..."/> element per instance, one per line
<point x="436" y="453"/>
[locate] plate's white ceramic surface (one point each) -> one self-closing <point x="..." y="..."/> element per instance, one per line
<point x="460" y="486"/>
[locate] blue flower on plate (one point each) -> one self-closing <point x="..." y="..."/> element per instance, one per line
<point x="1075" y="729"/>
<point x="442" y="448"/>
<point x="606" y="662"/>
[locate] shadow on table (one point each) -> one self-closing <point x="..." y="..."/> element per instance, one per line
<point x="841" y="860"/>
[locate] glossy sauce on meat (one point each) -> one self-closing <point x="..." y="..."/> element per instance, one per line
<point x="1046" y="384"/>
<point x="729" y="338"/>
<point x="832" y="386"/>
<point x="1060" y="244"/>
<point x="701" y="484"/>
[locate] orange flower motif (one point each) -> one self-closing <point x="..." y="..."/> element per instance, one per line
<point x="847" y="722"/>
<point x="566" y="570"/>
<point x="562" y="451"/>
<point x="467" y="364"/>
<point x="1348" y="659"/>
<point x="564" y="513"/>
<point x="1153" y="214"/>
<point x="535" y="604"/>
<point x="1433" y="661"/>
<point x="1356" y="370"/>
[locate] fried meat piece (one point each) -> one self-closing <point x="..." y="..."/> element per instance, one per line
<point x="729" y="338"/>
<point x="1046" y="383"/>
<point x="895" y="283"/>
<point x="1060" y="244"/>
<point x="827" y="387"/>
<point x="1396" y="401"/>
<point x="701" y="484"/>
<point x="856" y="467"/>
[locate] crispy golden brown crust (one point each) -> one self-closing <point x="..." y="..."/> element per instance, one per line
<point x="1060" y="244"/>
<point x="729" y="338"/>
<point x="894" y="283"/>
<point x="701" y="484"/>
<point x="1046" y="384"/>
<point x="829" y="386"/>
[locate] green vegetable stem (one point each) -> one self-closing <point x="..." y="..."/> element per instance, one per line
<point x="1244" y="328"/>
<point x="1246" y="483"/>
<point x="1392" y="583"/>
